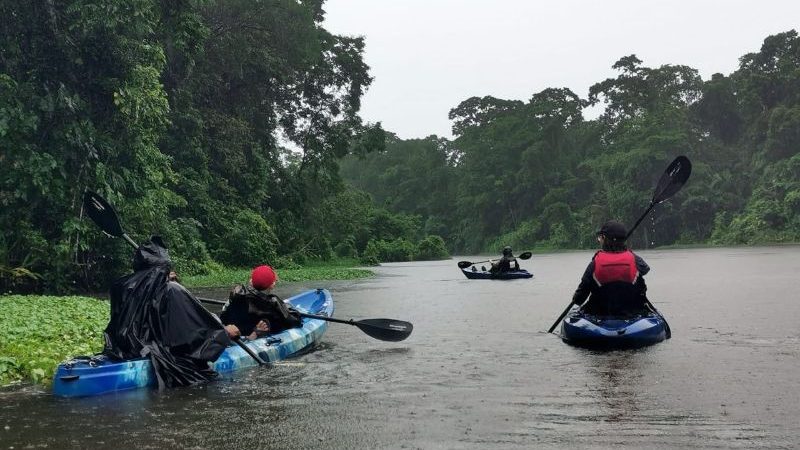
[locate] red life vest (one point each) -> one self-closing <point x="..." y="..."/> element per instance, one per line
<point x="610" y="267"/>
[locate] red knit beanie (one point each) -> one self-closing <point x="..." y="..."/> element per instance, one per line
<point x="263" y="277"/>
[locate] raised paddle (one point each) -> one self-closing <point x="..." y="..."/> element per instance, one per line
<point x="671" y="182"/>
<point x="465" y="264"/>
<point x="103" y="214"/>
<point x="383" y="329"/>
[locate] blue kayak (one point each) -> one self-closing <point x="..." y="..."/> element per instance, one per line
<point x="486" y="275"/>
<point x="97" y="375"/>
<point x="586" y="330"/>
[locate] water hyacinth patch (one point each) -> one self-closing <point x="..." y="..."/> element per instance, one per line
<point x="324" y="271"/>
<point x="38" y="332"/>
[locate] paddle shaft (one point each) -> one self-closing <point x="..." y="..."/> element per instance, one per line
<point x="465" y="264"/>
<point x="249" y="351"/>
<point x="478" y="262"/>
<point x="383" y="329"/>
<point x="302" y="314"/>
<point x="130" y="241"/>
<point x="555" y="324"/>
<point x="649" y="208"/>
<point x="667" y="329"/>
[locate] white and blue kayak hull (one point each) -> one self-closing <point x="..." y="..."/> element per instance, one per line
<point x="97" y="375"/>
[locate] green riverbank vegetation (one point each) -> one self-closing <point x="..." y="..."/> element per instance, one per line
<point x="38" y="332"/>
<point x="339" y="269"/>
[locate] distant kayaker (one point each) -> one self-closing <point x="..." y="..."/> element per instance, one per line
<point x="253" y="311"/>
<point x="614" y="277"/>
<point x="505" y="262"/>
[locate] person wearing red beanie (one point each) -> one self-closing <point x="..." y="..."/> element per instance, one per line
<point x="254" y="311"/>
<point x="263" y="278"/>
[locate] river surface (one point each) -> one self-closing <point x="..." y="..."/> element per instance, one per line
<point x="480" y="371"/>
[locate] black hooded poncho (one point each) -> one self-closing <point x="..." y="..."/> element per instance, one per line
<point x="159" y="319"/>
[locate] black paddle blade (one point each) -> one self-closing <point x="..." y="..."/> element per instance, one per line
<point x="385" y="329"/>
<point x="525" y="255"/>
<point x="464" y="264"/>
<point x="102" y="213"/>
<point x="673" y="179"/>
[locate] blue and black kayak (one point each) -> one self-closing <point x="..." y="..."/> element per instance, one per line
<point x="97" y="375"/>
<point x="585" y="330"/>
<point x="486" y="275"/>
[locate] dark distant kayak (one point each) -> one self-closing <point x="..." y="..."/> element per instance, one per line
<point x="586" y="330"/>
<point x="486" y="275"/>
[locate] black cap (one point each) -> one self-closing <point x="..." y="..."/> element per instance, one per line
<point x="613" y="230"/>
<point x="507" y="251"/>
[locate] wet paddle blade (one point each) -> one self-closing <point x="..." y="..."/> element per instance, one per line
<point x="464" y="264"/>
<point x="385" y="329"/>
<point x="525" y="255"/>
<point x="673" y="179"/>
<point x="102" y="213"/>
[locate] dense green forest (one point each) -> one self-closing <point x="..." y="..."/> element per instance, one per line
<point x="537" y="174"/>
<point x="216" y="124"/>
<point x="231" y="128"/>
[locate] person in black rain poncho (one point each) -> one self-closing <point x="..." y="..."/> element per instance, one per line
<point x="154" y="317"/>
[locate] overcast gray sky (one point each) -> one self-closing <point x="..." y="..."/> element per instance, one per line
<point x="426" y="56"/>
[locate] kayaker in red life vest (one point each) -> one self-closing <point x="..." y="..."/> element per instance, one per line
<point x="614" y="277"/>
<point x="253" y="311"/>
<point x="505" y="262"/>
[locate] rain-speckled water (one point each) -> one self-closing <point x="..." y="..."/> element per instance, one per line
<point x="480" y="372"/>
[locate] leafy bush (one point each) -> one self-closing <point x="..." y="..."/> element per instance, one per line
<point x="186" y="247"/>
<point x="38" y="332"/>
<point x="369" y="261"/>
<point x="390" y="251"/>
<point x="249" y="241"/>
<point x="346" y="248"/>
<point x="385" y="225"/>
<point x="431" y="248"/>
<point x="285" y="262"/>
<point x="12" y="278"/>
<point x="528" y="233"/>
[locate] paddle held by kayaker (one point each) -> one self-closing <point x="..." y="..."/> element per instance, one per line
<point x="614" y="277"/>
<point x="254" y="311"/>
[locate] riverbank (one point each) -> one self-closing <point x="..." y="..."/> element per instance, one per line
<point x="330" y="270"/>
<point x="39" y="331"/>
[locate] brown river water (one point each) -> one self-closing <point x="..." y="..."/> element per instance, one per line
<point x="480" y="371"/>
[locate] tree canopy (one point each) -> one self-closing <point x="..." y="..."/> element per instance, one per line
<point x="538" y="174"/>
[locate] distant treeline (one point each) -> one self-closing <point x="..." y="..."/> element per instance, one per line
<point x="182" y="114"/>
<point x="537" y="174"/>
